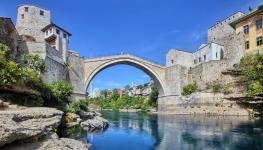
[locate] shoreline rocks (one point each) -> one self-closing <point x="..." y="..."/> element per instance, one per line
<point x="34" y="128"/>
<point x="90" y="121"/>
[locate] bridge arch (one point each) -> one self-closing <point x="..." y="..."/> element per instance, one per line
<point x="155" y="71"/>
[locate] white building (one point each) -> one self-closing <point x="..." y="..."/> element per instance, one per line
<point x="205" y="53"/>
<point x="57" y="37"/>
<point x="208" y="52"/>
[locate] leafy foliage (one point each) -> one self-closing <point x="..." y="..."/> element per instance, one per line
<point x="189" y="89"/>
<point x="116" y="102"/>
<point x="61" y="90"/>
<point x="27" y="76"/>
<point x="33" y="62"/>
<point x="251" y="68"/>
<point x="76" y="106"/>
<point x="255" y="89"/>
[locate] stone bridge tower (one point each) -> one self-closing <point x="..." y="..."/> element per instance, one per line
<point x="30" y="20"/>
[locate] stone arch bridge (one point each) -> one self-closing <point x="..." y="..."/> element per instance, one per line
<point x="168" y="79"/>
<point x="92" y="66"/>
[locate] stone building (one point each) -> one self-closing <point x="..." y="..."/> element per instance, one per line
<point x="32" y="23"/>
<point x="205" y="53"/>
<point x="222" y="28"/>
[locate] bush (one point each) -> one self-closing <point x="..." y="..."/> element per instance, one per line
<point x="76" y="106"/>
<point x="61" y="90"/>
<point x="189" y="89"/>
<point x="33" y="62"/>
<point x="251" y="68"/>
<point x="254" y="90"/>
<point x="10" y="73"/>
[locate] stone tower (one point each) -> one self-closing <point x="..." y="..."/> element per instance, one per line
<point x="30" y="20"/>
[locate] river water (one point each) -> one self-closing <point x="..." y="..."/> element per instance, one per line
<point x="140" y="131"/>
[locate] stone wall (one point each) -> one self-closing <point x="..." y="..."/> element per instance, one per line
<point x="54" y="71"/>
<point x="76" y="75"/>
<point x="178" y="57"/>
<point x="200" y="103"/>
<point x="222" y="28"/>
<point x="176" y="77"/>
<point x="31" y="23"/>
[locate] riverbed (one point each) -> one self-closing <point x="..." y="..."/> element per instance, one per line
<point x="142" y="131"/>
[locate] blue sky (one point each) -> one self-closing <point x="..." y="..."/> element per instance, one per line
<point x="147" y="28"/>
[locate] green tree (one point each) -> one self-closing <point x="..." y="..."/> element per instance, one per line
<point x="251" y="70"/>
<point x="189" y="88"/>
<point x="33" y="62"/>
<point x="61" y="90"/>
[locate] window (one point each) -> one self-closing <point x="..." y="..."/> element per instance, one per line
<point x="50" y="30"/>
<point x="41" y="12"/>
<point x="195" y="61"/>
<point x="57" y="31"/>
<point x="246" y="29"/>
<point x="259" y="41"/>
<point x="247" y="45"/>
<point x="259" y="24"/>
<point x="216" y="54"/>
<point x="221" y="53"/>
<point x="204" y="57"/>
<point x="65" y="36"/>
<point x="46" y="32"/>
<point x="172" y="61"/>
<point x="22" y="16"/>
<point x="199" y="59"/>
<point x="26" y="9"/>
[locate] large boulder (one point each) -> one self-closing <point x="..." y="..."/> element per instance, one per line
<point x="27" y="123"/>
<point x="86" y="115"/>
<point x="97" y="123"/>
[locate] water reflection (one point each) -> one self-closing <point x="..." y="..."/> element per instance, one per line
<point x="140" y="131"/>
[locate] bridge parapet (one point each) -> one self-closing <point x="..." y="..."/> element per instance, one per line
<point x="123" y="55"/>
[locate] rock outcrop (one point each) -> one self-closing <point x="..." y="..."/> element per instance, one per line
<point x="96" y="123"/>
<point x="90" y="121"/>
<point x="35" y="127"/>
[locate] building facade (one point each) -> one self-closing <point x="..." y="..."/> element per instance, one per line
<point x="205" y="53"/>
<point x="251" y="26"/>
<point x="222" y="28"/>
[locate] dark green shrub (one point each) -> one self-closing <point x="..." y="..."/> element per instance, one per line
<point x="76" y="106"/>
<point x="33" y="62"/>
<point x="254" y="90"/>
<point x="189" y="89"/>
<point x="251" y="68"/>
<point x="61" y="90"/>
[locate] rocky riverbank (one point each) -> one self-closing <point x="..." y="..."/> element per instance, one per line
<point x="36" y="127"/>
